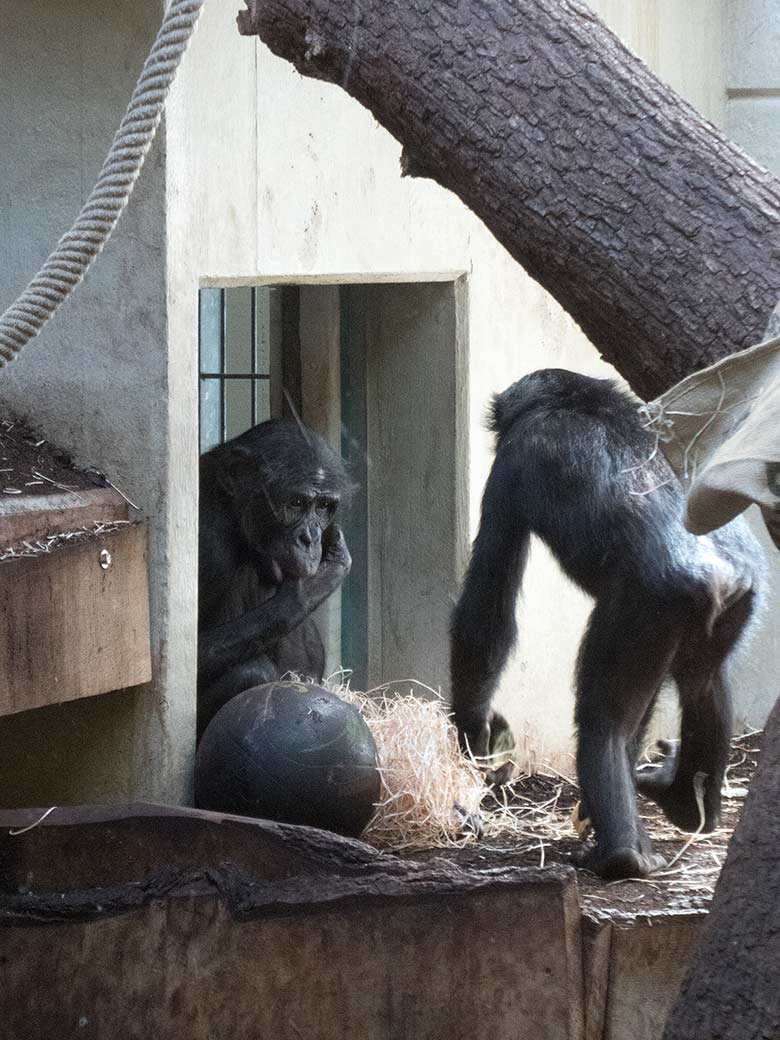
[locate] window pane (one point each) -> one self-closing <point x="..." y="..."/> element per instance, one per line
<point x="238" y="329"/>
<point x="263" y="399"/>
<point x="210" y="330"/>
<point x="238" y="406"/>
<point x="263" y="296"/>
<point x="354" y="443"/>
<point x="210" y="425"/>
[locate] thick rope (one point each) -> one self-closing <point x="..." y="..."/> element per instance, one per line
<point x="76" y="250"/>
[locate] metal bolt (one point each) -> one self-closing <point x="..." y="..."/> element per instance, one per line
<point x="105" y="559"/>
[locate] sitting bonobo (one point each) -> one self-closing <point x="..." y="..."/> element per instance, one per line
<point x="575" y="466"/>
<point x="269" y="555"/>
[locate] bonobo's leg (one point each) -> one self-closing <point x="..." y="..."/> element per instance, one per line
<point x="626" y="653"/>
<point x="301" y="652"/>
<point x="219" y="691"/>
<point x="636" y="745"/>
<point x="706" y="725"/>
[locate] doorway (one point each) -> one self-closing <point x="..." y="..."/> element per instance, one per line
<point x="380" y="371"/>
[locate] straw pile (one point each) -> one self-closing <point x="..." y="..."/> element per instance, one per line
<point x="431" y="793"/>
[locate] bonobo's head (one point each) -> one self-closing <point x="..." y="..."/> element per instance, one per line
<point x="285" y="484"/>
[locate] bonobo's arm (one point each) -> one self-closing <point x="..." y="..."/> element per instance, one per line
<point x="260" y="628"/>
<point x="483" y="628"/>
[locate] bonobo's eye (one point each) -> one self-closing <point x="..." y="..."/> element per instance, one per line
<point x="294" y="510"/>
<point x="325" y="507"/>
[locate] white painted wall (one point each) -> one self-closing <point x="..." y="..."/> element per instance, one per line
<point x="331" y="204"/>
<point x="752" y="119"/>
<point x="752" y="58"/>
<point x="257" y="174"/>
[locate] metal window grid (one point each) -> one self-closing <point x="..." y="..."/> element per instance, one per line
<point x="222" y="376"/>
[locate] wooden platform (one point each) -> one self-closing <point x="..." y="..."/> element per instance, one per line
<point x="633" y="967"/>
<point x="74" y="621"/>
<point x="144" y="920"/>
<point x="74" y="599"/>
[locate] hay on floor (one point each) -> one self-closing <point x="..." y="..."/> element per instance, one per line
<point x="429" y="789"/>
<point x="432" y="794"/>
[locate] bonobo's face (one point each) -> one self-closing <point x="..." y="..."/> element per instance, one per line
<point x="282" y="484"/>
<point x="286" y="531"/>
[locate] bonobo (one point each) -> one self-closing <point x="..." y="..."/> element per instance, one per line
<point x="269" y="555"/>
<point x="575" y="466"/>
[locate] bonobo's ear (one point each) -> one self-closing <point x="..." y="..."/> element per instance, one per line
<point x="236" y="471"/>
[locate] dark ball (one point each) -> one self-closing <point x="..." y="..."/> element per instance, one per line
<point x="291" y="752"/>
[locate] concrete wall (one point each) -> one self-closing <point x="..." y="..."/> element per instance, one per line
<point x="752" y="59"/>
<point x="97" y="379"/>
<point x="257" y="175"/>
<point x="416" y="364"/>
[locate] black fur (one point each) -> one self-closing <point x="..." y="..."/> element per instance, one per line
<point x="269" y="555"/>
<point x="575" y="467"/>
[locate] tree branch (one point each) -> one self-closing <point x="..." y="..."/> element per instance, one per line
<point x="653" y="230"/>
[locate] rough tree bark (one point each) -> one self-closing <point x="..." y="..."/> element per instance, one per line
<point x="656" y="233"/>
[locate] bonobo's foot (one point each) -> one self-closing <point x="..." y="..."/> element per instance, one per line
<point x="662" y="766"/>
<point x="502" y="776"/>
<point x="471" y="823"/>
<point x="615" y="864"/>
<point x="680" y="805"/>
<point x="677" y="795"/>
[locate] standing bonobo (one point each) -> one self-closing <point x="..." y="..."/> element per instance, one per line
<point x="269" y="555"/>
<point x="575" y="466"/>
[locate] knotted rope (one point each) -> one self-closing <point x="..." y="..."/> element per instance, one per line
<point x="77" y="249"/>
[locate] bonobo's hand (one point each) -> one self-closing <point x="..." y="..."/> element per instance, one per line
<point x="487" y="737"/>
<point x="335" y="563"/>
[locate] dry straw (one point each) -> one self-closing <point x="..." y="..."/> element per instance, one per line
<point x="429" y="789"/>
<point x="433" y="796"/>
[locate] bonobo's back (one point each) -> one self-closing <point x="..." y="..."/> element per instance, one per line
<point x="548" y="390"/>
<point x="593" y="484"/>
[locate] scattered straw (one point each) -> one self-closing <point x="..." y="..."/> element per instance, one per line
<point x="433" y="796"/>
<point x="33" y="825"/>
<point x="50" y="543"/>
<point x="429" y="789"/>
<point x="528" y="820"/>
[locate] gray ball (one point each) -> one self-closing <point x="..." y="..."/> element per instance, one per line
<point x="292" y="752"/>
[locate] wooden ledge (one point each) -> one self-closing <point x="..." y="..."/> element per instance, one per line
<point x="324" y="937"/>
<point x="31" y="517"/>
<point x="81" y="848"/>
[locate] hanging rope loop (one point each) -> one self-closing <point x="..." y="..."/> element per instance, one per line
<point x="78" y="247"/>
